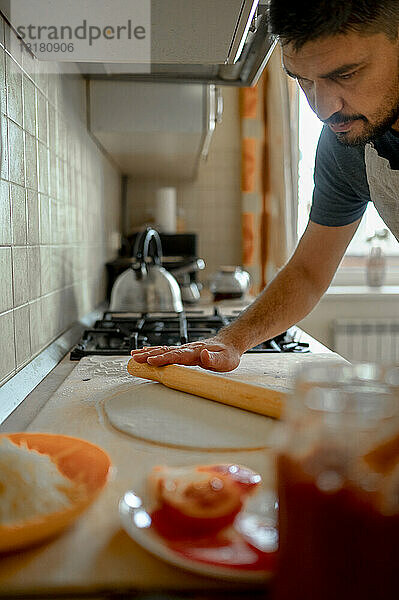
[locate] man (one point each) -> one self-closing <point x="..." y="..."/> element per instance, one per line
<point x="345" y="56"/>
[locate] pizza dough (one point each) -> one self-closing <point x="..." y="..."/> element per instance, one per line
<point x="155" y="413"/>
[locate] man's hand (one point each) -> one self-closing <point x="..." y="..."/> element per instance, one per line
<point x="209" y="354"/>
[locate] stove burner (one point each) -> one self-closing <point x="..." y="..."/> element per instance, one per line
<point x="119" y="333"/>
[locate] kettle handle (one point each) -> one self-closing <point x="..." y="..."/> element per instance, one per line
<point x="142" y="246"/>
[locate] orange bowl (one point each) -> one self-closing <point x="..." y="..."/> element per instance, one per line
<point x="77" y="459"/>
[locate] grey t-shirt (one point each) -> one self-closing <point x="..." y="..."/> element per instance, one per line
<point x="341" y="191"/>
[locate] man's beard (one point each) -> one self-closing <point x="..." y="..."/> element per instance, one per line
<point x="371" y="130"/>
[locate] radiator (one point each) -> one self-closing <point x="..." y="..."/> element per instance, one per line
<point x="370" y="340"/>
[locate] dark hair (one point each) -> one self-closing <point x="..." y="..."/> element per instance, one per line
<point x="298" y="22"/>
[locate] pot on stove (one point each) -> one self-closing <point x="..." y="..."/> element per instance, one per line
<point x="229" y="282"/>
<point x="146" y="286"/>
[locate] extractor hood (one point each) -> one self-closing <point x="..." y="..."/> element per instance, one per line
<point x="224" y="42"/>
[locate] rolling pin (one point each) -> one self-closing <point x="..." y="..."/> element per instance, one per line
<point x="254" y="398"/>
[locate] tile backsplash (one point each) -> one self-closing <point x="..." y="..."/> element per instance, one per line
<point x="59" y="206"/>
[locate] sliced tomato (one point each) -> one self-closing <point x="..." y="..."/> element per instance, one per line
<point x="199" y="500"/>
<point x="206" y="495"/>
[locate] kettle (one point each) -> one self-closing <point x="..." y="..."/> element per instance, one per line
<point x="146" y="286"/>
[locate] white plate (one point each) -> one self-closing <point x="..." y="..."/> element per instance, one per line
<point x="256" y="524"/>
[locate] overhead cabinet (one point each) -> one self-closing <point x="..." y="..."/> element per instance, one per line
<point x="153" y="130"/>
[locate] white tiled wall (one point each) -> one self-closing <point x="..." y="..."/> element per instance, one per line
<point x="59" y="206"/>
<point x="210" y="205"/>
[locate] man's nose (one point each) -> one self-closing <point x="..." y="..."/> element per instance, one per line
<point x="326" y="100"/>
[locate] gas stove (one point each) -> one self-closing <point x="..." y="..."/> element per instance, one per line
<point x="119" y="333"/>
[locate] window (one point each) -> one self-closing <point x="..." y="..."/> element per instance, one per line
<point x="309" y="131"/>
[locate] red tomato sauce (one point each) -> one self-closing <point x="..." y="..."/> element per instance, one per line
<point x="225" y="549"/>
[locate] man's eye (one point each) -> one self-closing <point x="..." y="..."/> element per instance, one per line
<point x="346" y="76"/>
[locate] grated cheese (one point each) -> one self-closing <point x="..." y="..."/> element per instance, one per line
<point x="30" y="484"/>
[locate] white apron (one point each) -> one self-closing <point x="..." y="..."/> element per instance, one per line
<point x="384" y="188"/>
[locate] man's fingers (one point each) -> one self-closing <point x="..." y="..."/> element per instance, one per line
<point x="144" y="349"/>
<point x="142" y="355"/>
<point x="180" y="356"/>
<point x="205" y="353"/>
<point x="140" y="358"/>
<point x="151" y="349"/>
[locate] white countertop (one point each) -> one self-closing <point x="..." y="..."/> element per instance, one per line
<point x="361" y="291"/>
<point x="96" y="556"/>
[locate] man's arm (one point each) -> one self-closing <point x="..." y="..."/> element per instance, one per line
<point x="290" y="296"/>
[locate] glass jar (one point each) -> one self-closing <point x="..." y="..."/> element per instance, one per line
<point x="338" y="486"/>
<point x="229" y="283"/>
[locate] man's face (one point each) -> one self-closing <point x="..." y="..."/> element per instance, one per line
<point x="351" y="83"/>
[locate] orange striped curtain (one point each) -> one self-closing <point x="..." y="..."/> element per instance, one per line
<point x="269" y="134"/>
<point x="254" y="184"/>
